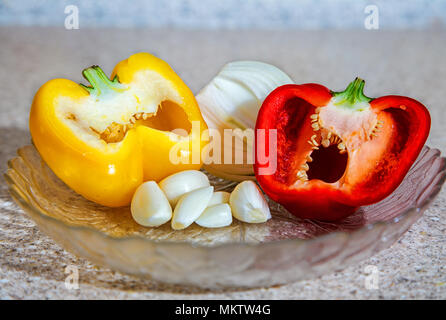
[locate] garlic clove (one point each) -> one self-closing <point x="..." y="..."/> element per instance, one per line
<point x="248" y="204"/>
<point x="218" y="198"/>
<point x="215" y="216"/>
<point x="150" y="207"/>
<point x="180" y="183"/>
<point x="190" y="207"/>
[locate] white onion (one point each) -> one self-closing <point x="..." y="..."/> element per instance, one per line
<point x="232" y="100"/>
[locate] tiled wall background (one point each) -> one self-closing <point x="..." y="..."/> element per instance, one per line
<point x="227" y="14"/>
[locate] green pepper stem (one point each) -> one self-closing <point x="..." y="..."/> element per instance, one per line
<point x="353" y="96"/>
<point x="100" y="83"/>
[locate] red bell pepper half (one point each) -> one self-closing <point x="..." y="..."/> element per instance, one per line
<point x="337" y="151"/>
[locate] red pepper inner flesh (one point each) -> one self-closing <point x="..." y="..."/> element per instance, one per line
<point x="313" y="143"/>
<point x="293" y="122"/>
<point x="306" y="151"/>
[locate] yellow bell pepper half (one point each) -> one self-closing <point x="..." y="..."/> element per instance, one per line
<point x="105" y="139"/>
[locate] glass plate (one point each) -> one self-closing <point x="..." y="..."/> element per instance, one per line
<point x="283" y="250"/>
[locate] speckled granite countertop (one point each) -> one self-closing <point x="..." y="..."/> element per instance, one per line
<point x="405" y="63"/>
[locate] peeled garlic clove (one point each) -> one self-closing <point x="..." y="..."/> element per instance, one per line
<point x="215" y="216"/>
<point x="219" y="197"/>
<point x="150" y="206"/>
<point x="180" y="183"/>
<point x="248" y="204"/>
<point x="190" y="207"/>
